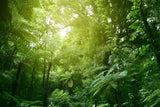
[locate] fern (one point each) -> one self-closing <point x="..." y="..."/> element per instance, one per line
<point x="106" y="81"/>
<point x="98" y="69"/>
<point x="154" y="94"/>
<point x="11" y="97"/>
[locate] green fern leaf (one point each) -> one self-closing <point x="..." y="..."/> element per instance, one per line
<point x="155" y="93"/>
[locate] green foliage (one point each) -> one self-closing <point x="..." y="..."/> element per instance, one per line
<point x="152" y="99"/>
<point x="64" y="53"/>
<point x="102" y="82"/>
<point x="59" y="98"/>
<point x="67" y="79"/>
<point x="19" y="102"/>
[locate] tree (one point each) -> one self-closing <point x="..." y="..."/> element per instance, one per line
<point x="79" y="53"/>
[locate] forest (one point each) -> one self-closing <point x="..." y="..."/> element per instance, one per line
<point x="80" y="53"/>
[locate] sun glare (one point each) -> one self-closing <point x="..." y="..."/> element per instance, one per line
<point x="63" y="32"/>
<point x="109" y="20"/>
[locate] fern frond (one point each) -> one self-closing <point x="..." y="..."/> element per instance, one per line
<point x="151" y="96"/>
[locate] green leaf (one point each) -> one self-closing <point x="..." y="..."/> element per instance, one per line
<point x="70" y="83"/>
<point x="151" y="96"/>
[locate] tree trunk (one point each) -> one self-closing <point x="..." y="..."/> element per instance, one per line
<point x="44" y="73"/>
<point x="32" y="78"/>
<point x="150" y="34"/>
<point x="4" y="11"/>
<point x="95" y="101"/>
<point x="46" y="88"/>
<point x="10" y="60"/>
<point x="15" y="82"/>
